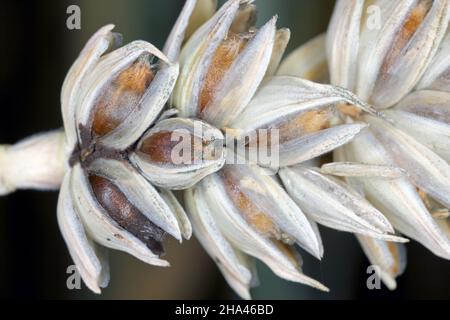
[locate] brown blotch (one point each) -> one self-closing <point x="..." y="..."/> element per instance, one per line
<point x="317" y="73"/>
<point x="433" y="207"/>
<point x="305" y="123"/>
<point x="253" y="215"/>
<point x="300" y="125"/>
<point x="424" y="196"/>
<point x="290" y="252"/>
<point x="394" y="251"/>
<point x="158" y="146"/>
<point x="126" y="214"/>
<point x="122" y="96"/>
<point x="403" y="37"/>
<point x="350" y="110"/>
<point x="221" y="62"/>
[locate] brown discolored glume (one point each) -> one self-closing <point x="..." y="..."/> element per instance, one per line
<point x="159" y="146"/>
<point x="394" y="251"/>
<point x="126" y="214"/>
<point x="349" y="110"/>
<point x="305" y="123"/>
<point x="122" y="96"/>
<point x="403" y="37"/>
<point x="300" y="125"/>
<point x="290" y="253"/>
<point x="222" y="60"/>
<point x="248" y="208"/>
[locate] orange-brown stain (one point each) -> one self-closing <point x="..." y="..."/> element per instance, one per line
<point x="317" y="73"/>
<point x="305" y="123"/>
<point x="401" y="40"/>
<point x="289" y="252"/>
<point x="349" y="110"/>
<point x="426" y="200"/>
<point x="221" y="62"/>
<point x="253" y="215"/>
<point x="394" y="251"/>
<point x="122" y="96"/>
<point x="300" y="125"/>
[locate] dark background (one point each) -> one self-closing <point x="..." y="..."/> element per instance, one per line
<point x="36" y="51"/>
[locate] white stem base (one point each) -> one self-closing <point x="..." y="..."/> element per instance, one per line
<point x="37" y="162"/>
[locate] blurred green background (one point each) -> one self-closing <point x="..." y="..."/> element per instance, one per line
<point x="38" y="50"/>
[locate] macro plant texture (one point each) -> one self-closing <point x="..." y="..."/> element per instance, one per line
<point x="392" y="55"/>
<point x="223" y="136"/>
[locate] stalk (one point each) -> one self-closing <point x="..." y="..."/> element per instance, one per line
<point x="37" y="162"/>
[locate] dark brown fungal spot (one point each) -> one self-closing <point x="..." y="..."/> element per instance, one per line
<point x="122" y="96"/>
<point x="126" y="214"/>
<point x="87" y="151"/>
<point x="159" y="146"/>
<point x="223" y="58"/>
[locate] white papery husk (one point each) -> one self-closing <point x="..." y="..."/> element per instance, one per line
<point x="182" y="176"/>
<point x="281" y="41"/>
<point x="192" y="10"/>
<point x="139" y="192"/>
<point x="389" y="257"/>
<point x="101" y="227"/>
<point x="196" y="55"/>
<point x="280" y="99"/>
<point x="397" y="198"/>
<point x="150" y="105"/>
<point x="233" y="267"/>
<point x="264" y="191"/>
<point x="444" y="224"/>
<point x="355" y="169"/>
<point x="383" y="66"/>
<point x="331" y="203"/>
<point x="370" y="60"/>
<point x="84" y="222"/>
<point x="42" y="161"/>
<point x="230" y="229"/>
<point x="183" y="220"/>
<point x="81" y="218"/>
<point x="235" y="90"/>
<point x="89" y="258"/>
<point x="426" y="169"/>
<point x="101" y="42"/>
<point x="425" y="116"/>
<point x="92" y="72"/>
<point x="307" y="62"/>
<point x="436" y="77"/>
